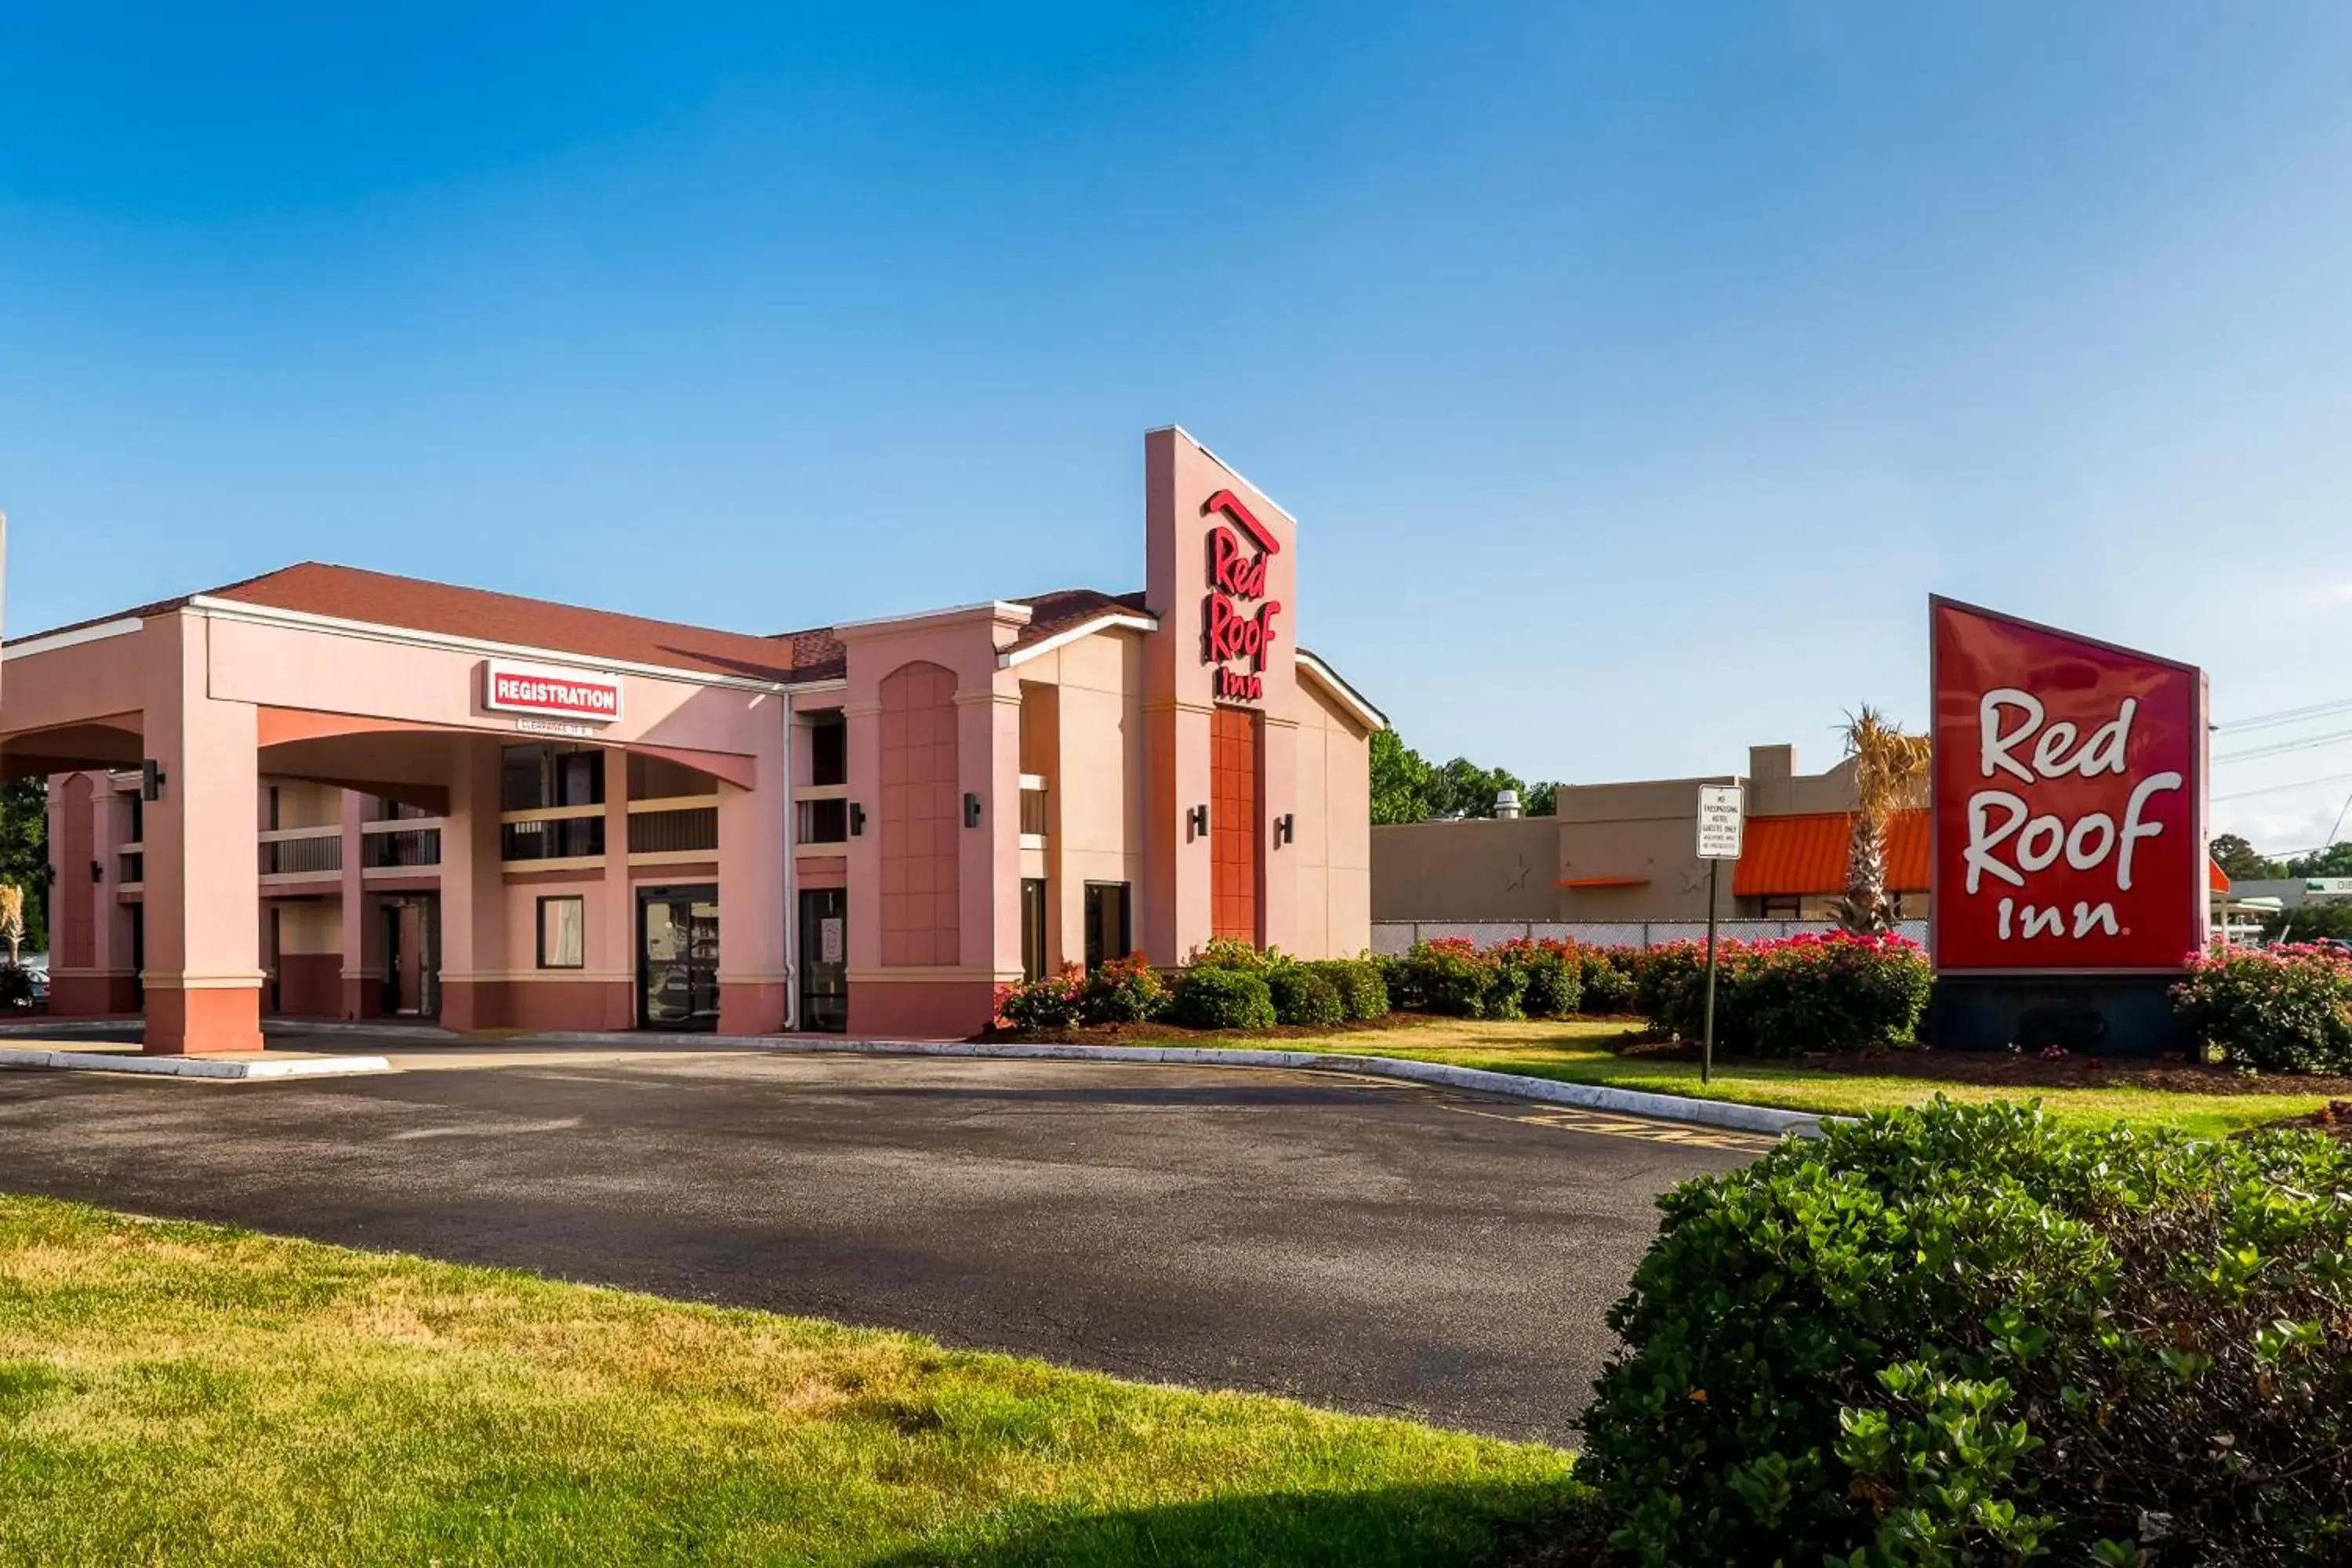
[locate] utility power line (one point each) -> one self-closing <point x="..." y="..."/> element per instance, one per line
<point x="2285" y="716"/>
<point x="2280" y="748"/>
<point x="2276" y="789"/>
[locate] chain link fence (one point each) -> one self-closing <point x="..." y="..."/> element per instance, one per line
<point x="1396" y="936"/>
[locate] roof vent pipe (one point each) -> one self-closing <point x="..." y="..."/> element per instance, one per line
<point x="1506" y="805"/>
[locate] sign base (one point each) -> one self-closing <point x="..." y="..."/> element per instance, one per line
<point x="2085" y="1015"/>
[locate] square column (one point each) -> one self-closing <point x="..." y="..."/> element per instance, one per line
<point x="203" y="974"/>
<point x="473" y="894"/>
<point x="755" y="981"/>
<point x="613" y="920"/>
<point x="360" y="977"/>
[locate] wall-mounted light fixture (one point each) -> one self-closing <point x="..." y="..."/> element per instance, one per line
<point x="971" y="809"/>
<point x="1283" y="830"/>
<point x="1196" y="822"/>
<point x="150" y="780"/>
<point x="98" y="870"/>
<point x="857" y="820"/>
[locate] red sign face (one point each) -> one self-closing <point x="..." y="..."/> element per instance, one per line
<point x="512" y="687"/>
<point x="2069" y="783"/>
<point x="1237" y="618"/>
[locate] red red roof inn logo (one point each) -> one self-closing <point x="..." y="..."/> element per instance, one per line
<point x="2069" y="790"/>
<point x="1237" y="618"/>
<point x="546" y="689"/>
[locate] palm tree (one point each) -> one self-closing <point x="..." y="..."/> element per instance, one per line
<point x="1889" y="766"/>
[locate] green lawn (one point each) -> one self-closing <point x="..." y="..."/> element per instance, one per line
<point x="1572" y="1050"/>
<point x="185" y="1394"/>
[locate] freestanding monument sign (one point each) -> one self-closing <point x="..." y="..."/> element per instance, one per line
<point x="2069" y="830"/>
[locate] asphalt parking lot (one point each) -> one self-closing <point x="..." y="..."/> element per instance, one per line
<point x="1369" y="1245"/>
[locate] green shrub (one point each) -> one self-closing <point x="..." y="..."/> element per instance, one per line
<point x="1448" y="975"/>
<point x="1222" y="999"/>
<point x="1232" y="952"/>
<point x="1302" y="996"/>
<point x="1810" y="993"/>
<point x="1969" y="1336"/>
<point x="1605" y="976"/>
<point x="1049" y="1002"/>
<point x="1360" y="983"/>
<point x="1124" y="991"/>
<point x="1400" y="977"/>
<point x="2285" y="1010"/>
<point x="1554" y="982"/>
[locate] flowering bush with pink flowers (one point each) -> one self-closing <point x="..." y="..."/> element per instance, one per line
<point x="1814" y="992"/>
<point x="2282" y="1009"/>
<point x="1049" y="1002"/>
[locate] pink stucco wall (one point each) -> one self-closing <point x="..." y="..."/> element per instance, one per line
<point x="1118" y="719"/>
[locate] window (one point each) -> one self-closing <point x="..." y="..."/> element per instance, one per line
<point x="824" y="822"/>
<point x="1108" y="933"/>
<point x="1032" y="928"/>
<point x="532" y="778"/>
<point x="829" y="751"/>
<point x="562" y="932"/>
<point x="1781" y="908"/>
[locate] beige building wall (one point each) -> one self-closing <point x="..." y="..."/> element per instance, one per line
<point x="1094" y="687"/>
<point x="1613" y="852"/>
<point x="1479" y="868"/>
<point x="1331" y="848"/>
<point x="310" y="926"/>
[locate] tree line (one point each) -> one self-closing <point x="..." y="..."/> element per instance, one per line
<point x="1407" y="787"/>
<point x="2244" y="863"/>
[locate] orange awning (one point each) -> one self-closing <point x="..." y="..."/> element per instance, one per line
<point x="1786" y="857"/>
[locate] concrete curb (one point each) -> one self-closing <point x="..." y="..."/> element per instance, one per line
<point x="22" y="1058"/>
<point x="1769" y="1120"/>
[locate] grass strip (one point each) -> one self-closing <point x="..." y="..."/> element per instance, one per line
<point x="1573" y="1050"/>
<point x="179" y="1393"/>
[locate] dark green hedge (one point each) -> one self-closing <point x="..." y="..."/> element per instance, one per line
<point x="1968" y="1335"/>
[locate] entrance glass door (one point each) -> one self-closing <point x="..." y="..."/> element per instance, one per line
<point x="411" y="956"/>
<point x="678" y="958"/>
<point x="824" y="959"/>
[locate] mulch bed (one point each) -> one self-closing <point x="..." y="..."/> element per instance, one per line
<point x="1172" y="1033"/>
<point x="2334" y="1119"/>
<point x="2030" y="1070"/>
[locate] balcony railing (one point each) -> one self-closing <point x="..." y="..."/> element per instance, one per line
<point x="301" y="851"/>
<point x="673" y="830"/>
<point x="400" y="847"/>
<point x="574" y="837"/>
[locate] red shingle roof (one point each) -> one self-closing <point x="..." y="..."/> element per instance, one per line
<point x="1055" y="612"/>
<point x="381" y="598"/>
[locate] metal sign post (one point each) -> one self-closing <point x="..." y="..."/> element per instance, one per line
<point x="1721" y="808"/>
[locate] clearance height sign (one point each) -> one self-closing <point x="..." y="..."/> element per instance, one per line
<point x="2069" y="801"/>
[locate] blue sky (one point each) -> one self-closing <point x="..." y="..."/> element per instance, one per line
<point x="1636" y="371"/>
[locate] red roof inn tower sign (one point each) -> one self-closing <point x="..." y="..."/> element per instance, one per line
<point x="2069" y="823"/>
<point x="1237" y="619"/>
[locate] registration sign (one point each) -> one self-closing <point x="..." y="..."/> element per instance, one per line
<point x="1720" y="810"/>
<point x="552" y="691"/>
